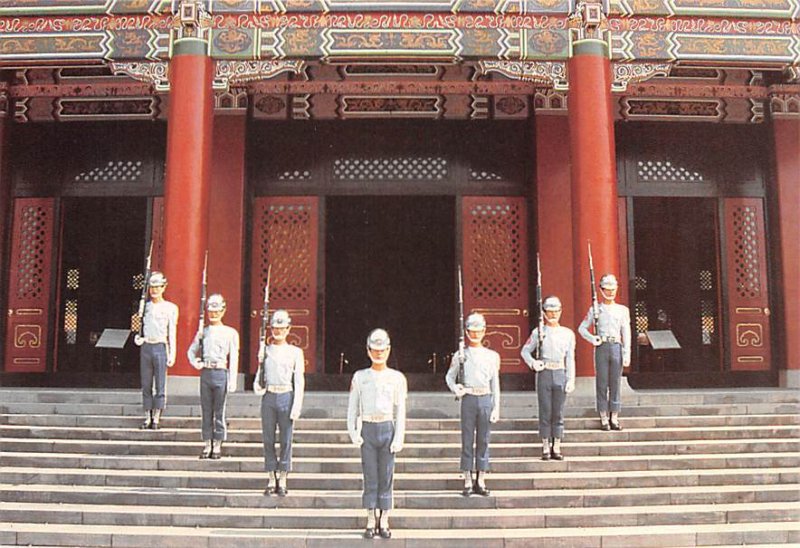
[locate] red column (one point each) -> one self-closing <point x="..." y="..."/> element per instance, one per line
<point x="554" y="214"/>
<point x="594" y="175"/>
<point x="6" y="210"/>
<point x="186" y="190"/>
<point x="787" y="182"/>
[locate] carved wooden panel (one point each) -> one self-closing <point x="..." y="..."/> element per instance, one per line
<point x="285" y="238"/>
<point x="747" y="282"/>
<point x="495" y="264"/>
<point x="29" y="288"/>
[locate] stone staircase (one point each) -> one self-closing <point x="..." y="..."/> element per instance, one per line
<point x="691" y="467"/>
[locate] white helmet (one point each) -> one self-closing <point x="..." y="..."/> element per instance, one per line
<point x="378" y="339"/>
<point x="280" y="318"/>
<point x="551" y="303"/>
<point x="475" y="322"/>
<point x="608" y="281"/>
<point x="215" y="303"/>
<point x="157" y="279"/>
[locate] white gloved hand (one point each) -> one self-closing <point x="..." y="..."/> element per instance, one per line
<point x="626" y="363"/>
<point x="170" y="363"/>
<point x="395" y="447"/>
<point x="232" y="386"/>
<point x="495" y="416"/>
<point x="356" y="438"/>
<point x="570" y="387"/>
<point x="295" y="414"/>
<point x="597" y="341"/>
<point x="197" y="363"/>
<point x="138" y="340"/>
<point x="460" y="391"/>
<point x="537" y="365"/>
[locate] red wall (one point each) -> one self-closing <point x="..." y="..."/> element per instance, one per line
<point x="226" y="217"/>
<point x="554" y="215"/>
<point x="787" y="158"/>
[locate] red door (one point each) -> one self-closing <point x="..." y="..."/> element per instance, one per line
<point x="748" y="295"/>
<point x="285" y="237"/>
<point x="495" y="266"/>
<point x="29" y="287"/>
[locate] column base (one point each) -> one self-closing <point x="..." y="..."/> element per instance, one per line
<point x="182" y="385"/>
<point x="584" y="388"/>
<point x="789" y="378"/>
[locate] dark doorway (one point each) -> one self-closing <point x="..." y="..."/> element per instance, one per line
<point x="676" y="283"/>
<point x="390" y="262"/>
<point x="100" y="283"/>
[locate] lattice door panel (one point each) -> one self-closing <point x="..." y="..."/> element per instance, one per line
<point x="495" y="264"/>
<point x="285" y="237"/>
<point x="747" y="283"/>
<point x="29" y="288"/>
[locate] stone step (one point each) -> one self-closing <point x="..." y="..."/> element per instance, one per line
<point x="507" y="412"/>
<point x="595" y="537"/>
<point x="337" y="465"/>
<point x="155" y="447"/>
<point x="633" y="398"/>
<point x="213" y="479"/>
<point x="571" y="423"/>
<point x="533" y="500"/>
<point x="169" y="434"/>
<point x="325" y="518"/>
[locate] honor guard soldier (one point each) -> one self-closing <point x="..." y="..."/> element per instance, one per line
<point x="612" y="352"/>
<point x="376" y="422"/>
<point x="555" y="375"/>
<point x="281" y="383"/>
<point x="479" y="392"/>
<point x="158" y="337"/>
<point x="216" y="355"/>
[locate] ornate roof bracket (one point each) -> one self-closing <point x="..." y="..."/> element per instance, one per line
<point x="226" y="73"/>
<point x="784" y="101"/>
<point x="231" y="73"/>
<point x="154" y="73"/>
<point x="629" y="73"/>
<point x="792" y="74"/>
<point x="547" y="74"/>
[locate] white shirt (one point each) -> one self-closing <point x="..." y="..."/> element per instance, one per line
<point x="614" y="320"/>
<point x="160" y="324"/>
<point x="285" y="364"/>
<point x="220" y="345"/>
<point x="374" y="392"/>
<point x="481" y="370"/>
<point x="558" y="347"/>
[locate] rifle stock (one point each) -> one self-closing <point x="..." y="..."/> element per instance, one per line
<point x="262" y="333"/>
<point x="145" y="290"/>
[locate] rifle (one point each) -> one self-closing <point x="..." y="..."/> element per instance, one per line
<point x="461" y="344"/>
<point x="595" y="309"/>
<point x="540" y="306"/>
<point x="262" y="333"/>
<point x="203" y="297"/>
<point x="145" y="290"/>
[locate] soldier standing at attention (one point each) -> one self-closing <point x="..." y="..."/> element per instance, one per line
<point x="612" y="352"/>
<point x="216" y="355"/>
<point x="479" y="392"/>
<point x="159" y="326"/>
<point x="376" y="422"/>
<point x="281" y="382"/>
<point x="555" y="375"/>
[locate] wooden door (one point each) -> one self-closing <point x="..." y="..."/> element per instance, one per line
<point x="747" y="284"/>
<point x="285" y="237"/>
<point x="28" y="330"/>
<point x="495" y="266"/>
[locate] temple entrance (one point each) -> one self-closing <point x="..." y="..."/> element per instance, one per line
<point x="390" y="262"/>
<point x="99" y="283"/>
<point x="677" y="283"/>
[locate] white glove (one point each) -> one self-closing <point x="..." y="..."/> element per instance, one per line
<point x="395" y="447"/>
<point x="197" y="363"/>
<point x="356" y="438"/>
<point x="495" y="416"/>
<point x="138" y="340"/>
<point x="626" y="363"/>
<point x="258" y="389"/>
<point x="295" y="414"/>
<point x="570" y="387"/>
<point x="597" y="341"/>
<point x="537" y="365"/>
<point x="460" y="391"/>
<point x="170" y="363"/>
